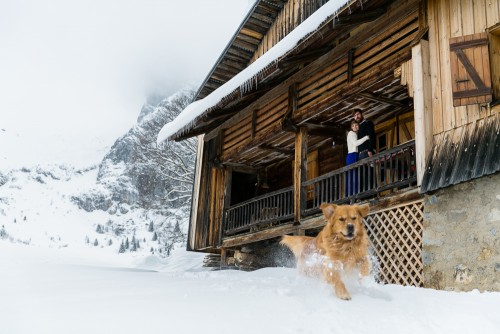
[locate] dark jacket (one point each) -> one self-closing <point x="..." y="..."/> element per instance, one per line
<point x="366" y="128"/>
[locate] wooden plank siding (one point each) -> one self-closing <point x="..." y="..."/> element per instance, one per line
<point x="293" y="13"/>
<point x="365" y="57"/>
<point x="463" y="153"/>
<point x="328" y="87"/>
<point x="265" y="118"/>
<point x="449" y="19"/>
<point x="323" y="86"/>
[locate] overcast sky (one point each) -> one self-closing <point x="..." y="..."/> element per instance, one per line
<point x="74" y="74"/>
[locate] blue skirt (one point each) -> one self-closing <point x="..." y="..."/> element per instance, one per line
<point x="351" y="185"/>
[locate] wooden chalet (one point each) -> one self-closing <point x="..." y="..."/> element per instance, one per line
<point x="272" y="149"/>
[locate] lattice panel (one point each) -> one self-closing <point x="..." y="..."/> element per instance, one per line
<point x="396" y="238"/>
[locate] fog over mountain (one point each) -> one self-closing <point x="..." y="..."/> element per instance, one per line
<point x="137" y="200"/>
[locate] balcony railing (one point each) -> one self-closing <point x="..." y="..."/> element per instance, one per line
<point x="385" y="171"/>
<point x="391" y="169"/>
<point x="270" y="208"/>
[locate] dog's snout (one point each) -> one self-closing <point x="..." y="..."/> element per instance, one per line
<point x="350" y="228"/>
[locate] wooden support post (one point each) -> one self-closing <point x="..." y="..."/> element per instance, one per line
<point x="422" y="100"/>
<point x="300" y="173"/>
<point x="196" y="192"/>
<point x="300" y="232"/>
<point x="223" y="257"/>
<point x="227" y="203"/>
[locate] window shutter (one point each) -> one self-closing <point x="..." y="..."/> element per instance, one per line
<point x="470" y="69"/>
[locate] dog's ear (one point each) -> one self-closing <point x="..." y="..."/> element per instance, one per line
<point x="364" y="210"/>
<point x="328" y="209"/>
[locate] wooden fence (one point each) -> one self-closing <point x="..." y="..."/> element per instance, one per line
<point x="396" y="239"/>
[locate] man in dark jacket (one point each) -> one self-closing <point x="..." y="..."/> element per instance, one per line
<point x="367" y="149"/>
<point x="366" y="128"/>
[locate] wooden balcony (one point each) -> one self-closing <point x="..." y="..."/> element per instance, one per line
<point x="379" y="175"/>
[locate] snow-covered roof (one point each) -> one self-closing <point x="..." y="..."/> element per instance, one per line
<point x="247" y="78"/>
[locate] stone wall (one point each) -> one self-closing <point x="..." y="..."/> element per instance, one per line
<point x="461" y="238"/>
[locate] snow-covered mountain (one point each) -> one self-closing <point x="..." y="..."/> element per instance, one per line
<point x="133" y="203"/>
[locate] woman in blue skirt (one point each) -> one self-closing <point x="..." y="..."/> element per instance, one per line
<point x="352" y="156"/>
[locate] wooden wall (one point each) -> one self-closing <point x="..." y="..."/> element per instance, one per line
<point x="255" y="124"/>
<point x="448" y="19"/>
<point x="294" y="12"/>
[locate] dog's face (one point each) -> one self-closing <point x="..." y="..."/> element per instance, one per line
<point x="345" y="221"/>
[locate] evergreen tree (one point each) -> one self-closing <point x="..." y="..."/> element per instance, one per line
<point x="122" y="248"/>
<point x="110" y="242"/>
<point x="87" y="240"/>
<point x="96" y="243"/>
<point x="155" y="236"/>
<point x="151" y="227"/>
<point x="99" y="229"/>
<point x="127" y="244"/>
<point x="177" y="228"/>
<point x="3" y="233"/>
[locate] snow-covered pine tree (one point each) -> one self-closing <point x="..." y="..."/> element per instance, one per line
<point x="122" y="248"/>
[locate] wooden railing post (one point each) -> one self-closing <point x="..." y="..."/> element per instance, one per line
<point x="300" y="174"/>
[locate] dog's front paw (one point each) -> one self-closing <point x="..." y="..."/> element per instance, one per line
<point x="342" y="293"/>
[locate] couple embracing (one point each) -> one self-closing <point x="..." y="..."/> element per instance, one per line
<point x="358" y="149"/>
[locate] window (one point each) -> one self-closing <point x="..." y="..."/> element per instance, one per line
<point x="470" y="69"/>
<point x="381" y="142"/>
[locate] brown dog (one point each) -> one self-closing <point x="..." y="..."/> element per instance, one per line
<point x="340" y="247"/>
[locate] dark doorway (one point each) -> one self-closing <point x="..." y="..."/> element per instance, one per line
<point x="242" y="187"/>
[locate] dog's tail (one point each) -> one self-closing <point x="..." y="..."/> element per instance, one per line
<point x="296" y="243"/>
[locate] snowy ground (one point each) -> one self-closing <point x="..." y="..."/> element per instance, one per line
<point x="36" y="209"/>
<point x="53" y="291"/>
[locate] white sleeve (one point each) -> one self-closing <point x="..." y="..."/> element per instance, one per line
<point x="362" y="140"/>
<point x="351" y="139"/>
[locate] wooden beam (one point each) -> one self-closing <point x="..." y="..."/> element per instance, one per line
<point x="227" y="204"/>
<point x="223" y="257"/>
<point x="254" y="123"/>
<point x="300" y="173"/>
<point x="359" y="18"/>
<point x="382" y="99"/>
<point x="258" y="236"/>
<point x="285" y="151"/>
<point x="191" y="243"/>
<point x="303" y="57"/>
<point x="350" y="59"/>
<point x="240" y="168"/>
<point x="422" y="99"/>
<point x="325" y="130"/>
